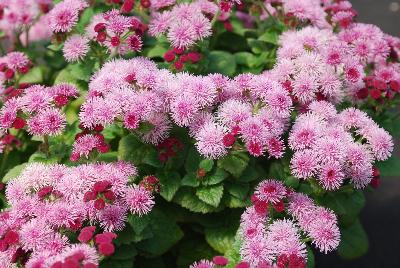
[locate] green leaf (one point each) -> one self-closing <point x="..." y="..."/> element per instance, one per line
<point x="82" y="70"/>
<point x="222" y="238"/>
<point x="188" y="199"/>
<point x="210" y="194"/>
<point x="170" y="183"/>
<point x="14" y="172"/>
<point x="108" y="157"/>
<point x="166" y="234"/>
<point x="157" y="51"/>
<point x="215" y="178"/>
<point x="233" y="202"/>
<point x="34" y="76"/>
<point x="193" y="160"/>
<point x="269" y="37"/>
<point x="246" y="58"/>
<point x="233" y="253"/>
<point x="116" y="263"/>
<point x="194" y="250"/>
<point x="125" y="252"/>
<point x="390" y="167"/>
<point x="190" y="179"/>
<point x="234" y="163"/>
<point x="65" y="76"/>
<point x="249" y="174"/>
<point x="257" y="46"/>
<point x="354" y="241"/>
<point x="346" y="205"/>
<point x="310" y="258"/>
<point x="138" y="223"/>
<point x="229" y="41"/>
<point x="292" y="182"/>
<point x="222" y="62"/>
<point x="238" y="190"/>
<point x="131" y="149"/>
<point x="84" y="20"/>
<point x="206" y="164"/>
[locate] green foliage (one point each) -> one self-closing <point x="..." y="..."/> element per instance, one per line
<point x="165" y="232"/>
<point x="221" y="62"/>
<point x="210" y="194"/>
<point x="13" y="173"/>
<point x="222" y="238"/>
<point x="234" y="163"/>
<point x="354" y="241"/>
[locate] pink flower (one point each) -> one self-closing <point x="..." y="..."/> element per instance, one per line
<point x="182" y="34"/>
<point x="270" y="191"/>
<point x="139" y="200"/>
<point x="331" y="176"/>
<point x="210" y="140"/>
<point x="48" y="122"/>
<point x="202" y="264"/>
<point x="75" y="48"/>
<point x="63" y="18"/>
<point x="304" y="164"/>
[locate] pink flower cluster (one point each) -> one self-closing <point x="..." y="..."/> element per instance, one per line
<point x="332" y="146"/>
<point x="321" y="13"/>
<point x="48" y="200"/>
<point x="280" y="242"/>
<point x="119" y="33"/>
<point x="315" y="64"/>
<point x="250" y="107"/>
<point x="38" y="108"/>
<point x="185" y="23"/>
<point x="17" y="15"/>
<point x="12" y="66"/>
<point x="64" y="16"/>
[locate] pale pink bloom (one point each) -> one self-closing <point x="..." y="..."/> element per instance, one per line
<point x="304" y="164"/>
<point x="283" y="238"/>
<point x="139" y="200"/>
<point x="198" y="121"/>
<point x="64" y="89"/>
<point x="202" y="264"/>
<point x="160" y="129"/>
<point x="85" y="144"/>
<point x="183" y="109"/>
<point x="255" y="250"/>
<point x="233" y="112"/>
<point x="16" y="60"/>
<point x="331" y="176"/>
<point x="49" y="122"/>
<point x="63" y="18"/>
<point x="113" y="217"/>
<point x="75" y="48"/>
<point x="182" y="34"/>
<point x="304" y="87"/>
<point x="159" y="4"/>
<point x="270" y="191"/>
<point x="209" y="140"/>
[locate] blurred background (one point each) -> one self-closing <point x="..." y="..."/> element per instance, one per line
<point x="381" y="214"/>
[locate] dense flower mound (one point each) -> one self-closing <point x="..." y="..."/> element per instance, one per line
<point x="64" y="15"/>
<point x="185" y="23"/>
<point x="332" y="146"/>
<point x="38" y="109"/>
<point x="118" y="33"/>
<point x="210" y="97"/>
<point x="51" y="203"/>
<point x="266" y="241"/>
<point x="215" y="109"/>
<point x="16" y="15"/>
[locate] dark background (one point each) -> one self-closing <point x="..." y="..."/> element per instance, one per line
<point x="381" y="215"/>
